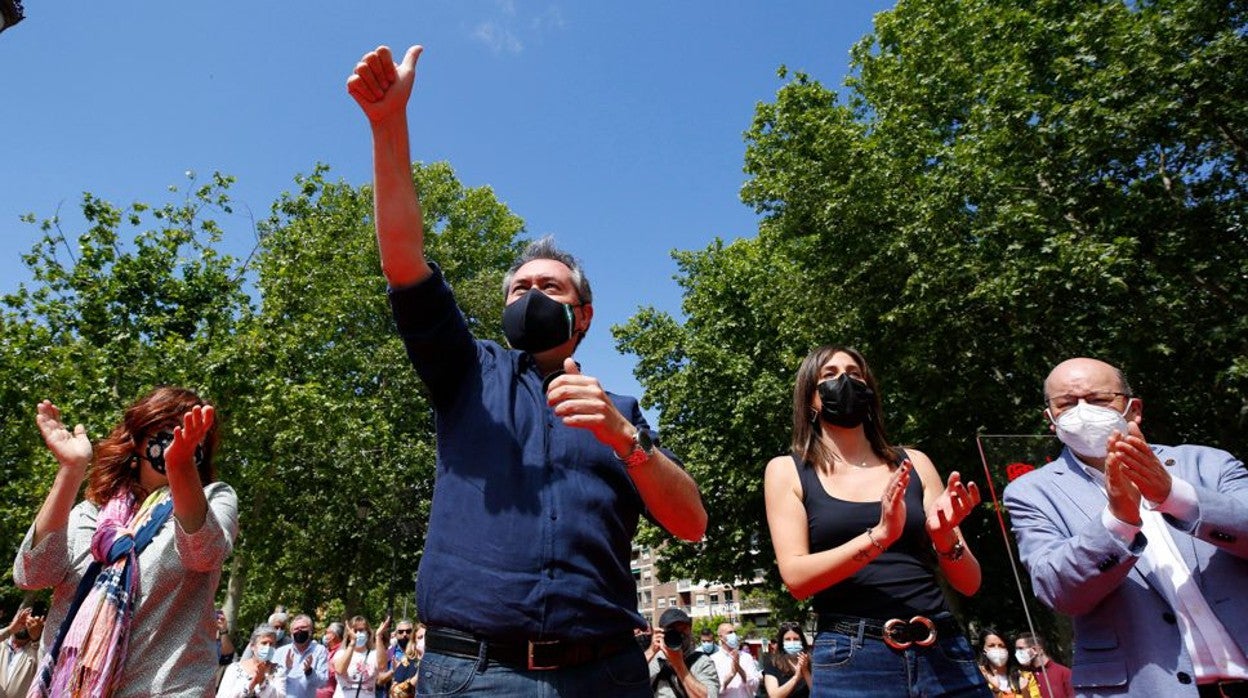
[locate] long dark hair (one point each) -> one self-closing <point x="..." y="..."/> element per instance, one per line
<point x="159" y="410"/>
<point x="806" y="425"/>
<point x="986" y="667"/>
<point x="779" y="658"/>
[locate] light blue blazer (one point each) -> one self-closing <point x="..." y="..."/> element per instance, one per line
<point x="1126" y="638"/>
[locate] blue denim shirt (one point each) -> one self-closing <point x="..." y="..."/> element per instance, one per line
<point x="532" y="521"/>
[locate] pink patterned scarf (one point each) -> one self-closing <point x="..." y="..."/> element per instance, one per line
<point x="91" y="645"/>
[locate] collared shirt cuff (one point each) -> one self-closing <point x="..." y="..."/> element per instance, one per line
<point x="1122" y="531"/>
<point x="1181" y="502"/>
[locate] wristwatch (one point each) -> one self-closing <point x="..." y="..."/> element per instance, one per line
<point x="642" y="449"/>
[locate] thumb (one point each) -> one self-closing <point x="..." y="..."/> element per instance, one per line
<point x="412" y="55"/>
<point x="570" y="367"/>
<point x="80" y="430"/>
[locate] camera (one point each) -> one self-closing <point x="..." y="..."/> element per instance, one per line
<point x="673" y="639"/>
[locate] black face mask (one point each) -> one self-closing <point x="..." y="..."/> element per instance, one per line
<point x="537" y="322"/>
<point x="21" y="634"/>
<point x="846" y="401"/>
<point x="301" y="636"/>
<point x="401" y="642"/>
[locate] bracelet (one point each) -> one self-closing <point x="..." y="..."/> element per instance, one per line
<point x="872" y="539"/>
<point x="953" y="554"/>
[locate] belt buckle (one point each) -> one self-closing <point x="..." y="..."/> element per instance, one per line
<point x="931" y="630"/>
<point x="897" y="626"/>
<point x="891" y="628"/>
<point x="537" y="667"/>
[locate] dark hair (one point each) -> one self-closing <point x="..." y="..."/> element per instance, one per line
<point x="781" y="659"/>
<point x="806" y="425"/>
<point x="545" y="249"/>
<point x="1032" y="640"/>
<point x="986" y="666"/>
<point x="160" y="410"/>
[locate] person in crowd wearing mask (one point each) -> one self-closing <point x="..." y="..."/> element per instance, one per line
<point x="738" y="673"/>
<point x="305" y="661"/>
<point x="259" y="675"/>
<point x="1144" y="546"/>
<point x="1006" y="681"/>
<point x="677" y="669"/>
<point x="19" y="653"/>
<point x="135" y="566"/>
<point x="359" y="659"/>
<point x="332" y="639"/>
<point x="864" y="527"/>
<point x="1052" y="679"/>
<point x="707" y="642"/>
<point x="788" y="670"/>
<point x="277" y="621"/>
<point x="405" y="657"/>
<point x="528" y="449"/>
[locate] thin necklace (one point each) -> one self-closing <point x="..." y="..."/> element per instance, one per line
<point x="838" y="457"/>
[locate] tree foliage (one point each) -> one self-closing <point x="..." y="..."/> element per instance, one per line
<point x="1002" y="185"/>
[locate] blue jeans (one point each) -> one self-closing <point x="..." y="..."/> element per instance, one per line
<point x="623" y="674"/>
<point x="863" y="667"/>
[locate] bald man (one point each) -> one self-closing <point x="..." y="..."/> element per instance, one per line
<point x="1144" y="546"/>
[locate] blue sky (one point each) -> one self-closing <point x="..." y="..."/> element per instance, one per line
<point x="617" y="127"/>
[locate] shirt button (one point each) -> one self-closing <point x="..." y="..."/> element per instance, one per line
<point x="1184" y="677"/>
<point x="1169" y="618"/>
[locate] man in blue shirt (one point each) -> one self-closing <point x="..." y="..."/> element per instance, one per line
<point x="542" y="475"/>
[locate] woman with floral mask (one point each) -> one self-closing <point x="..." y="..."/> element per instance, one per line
<point x="360" y="659"/>
<point x="863" y="527"/>
<point x="256" y="676"/>
<point x="134" y="567"/>
<point x="787" y="674"/>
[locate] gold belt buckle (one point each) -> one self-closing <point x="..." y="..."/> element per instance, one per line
<point x="536" y="667"/>
<point x="893" y="624"/>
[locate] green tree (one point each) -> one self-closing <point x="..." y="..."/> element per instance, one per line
<point x="139" y="297"/>
<point x="1002" y="185"/>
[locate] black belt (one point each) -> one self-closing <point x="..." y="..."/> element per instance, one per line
<point x="533" y="655"/>
<point x="898" y="633"/>
<point x="1231" y="688"/>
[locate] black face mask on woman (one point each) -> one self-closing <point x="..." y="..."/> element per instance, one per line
<point x="846" y="401"/>
<point x="536" y="322"/>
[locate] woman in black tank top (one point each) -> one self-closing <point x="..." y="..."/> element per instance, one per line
<point x="862" y="527"/>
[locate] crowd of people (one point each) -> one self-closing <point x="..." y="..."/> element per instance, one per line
<point x="542" y="477"/>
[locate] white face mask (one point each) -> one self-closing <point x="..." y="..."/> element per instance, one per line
<point x="997" y="655"/>
<point x="361" y="638"/>
<point x="1023" y="657"/>
<point x="265" y="653"/>
<point x="1085" y="428"/>
<point x="732" y="641"/>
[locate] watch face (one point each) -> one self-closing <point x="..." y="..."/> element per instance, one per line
<point x="643" y="440"/>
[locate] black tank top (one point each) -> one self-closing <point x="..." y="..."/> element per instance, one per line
<point x="900" y="582"/>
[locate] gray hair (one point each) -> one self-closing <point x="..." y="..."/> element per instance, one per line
<point x="278" y="617"/>
<point x="545" y="248"/>
<point x="302" y="616"/>
<point x="337" y="628"/>
<point x="262" y="630"/>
